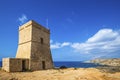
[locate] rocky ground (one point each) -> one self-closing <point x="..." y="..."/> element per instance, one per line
<point x="63" y="74"/>
<point x="108" y="62"/>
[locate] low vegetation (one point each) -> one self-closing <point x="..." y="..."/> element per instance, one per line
<point x="63" y="67"/>
<point x="108" y="62"/>
<point x="110" y="69"/>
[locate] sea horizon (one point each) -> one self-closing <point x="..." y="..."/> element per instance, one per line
<point x="69" y="64"/>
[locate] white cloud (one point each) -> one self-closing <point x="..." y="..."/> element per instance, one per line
<point x="104" y="35"/>
<point x="22" y="19"/>
<point x="51" y="41"/>
<point x="103" y="43"/>
<point x="59" y="45"/>
<point x="65" y="44"/>
<point x="55" y="46"/>
<point x="106" y="42"/>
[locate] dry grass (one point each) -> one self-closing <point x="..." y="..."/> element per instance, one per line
<point x="109" y="69"/>
<point x="62" y="74"/>
<point x="0" y="68"/>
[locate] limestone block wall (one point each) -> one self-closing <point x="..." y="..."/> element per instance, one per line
<point x="5" y="64"/>
<point x="25" y="36"/>
<point x="39" y="54"/>
<point x="25" y="33"/>
<point x="40" y="51"/>
<point x="39" y="32"/>
<point x="24" y="51"/>
<point x="15" y="64"/>
<point x="33" y="49"/>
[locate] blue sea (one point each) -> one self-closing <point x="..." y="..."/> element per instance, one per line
<point x="75" y="64"/>
<point x="68" y="64"/>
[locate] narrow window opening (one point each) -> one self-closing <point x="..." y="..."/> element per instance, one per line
<point x="43" y="64"/>
<point x="23" y="65"/>
<point x="41" y="40"/>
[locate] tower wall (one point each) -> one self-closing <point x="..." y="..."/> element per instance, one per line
<point x="40" y="48"/>
<point x="15" y="64"/>
<point x="24" y="45"/>
<point x="34" y="44"/>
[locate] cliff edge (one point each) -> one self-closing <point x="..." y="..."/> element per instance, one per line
<point x="108" y="62"/>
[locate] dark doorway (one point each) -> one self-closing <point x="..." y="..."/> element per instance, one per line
<point x="43" y="64"/>
<point x="23" y="65"/>
<point x="41" y="40"/>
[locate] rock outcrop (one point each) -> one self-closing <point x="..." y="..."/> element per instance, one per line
<point x="108" y="62"/>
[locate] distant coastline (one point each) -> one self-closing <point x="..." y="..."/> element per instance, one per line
<point x="87" y="64"/>
<point x="108" y="62"/>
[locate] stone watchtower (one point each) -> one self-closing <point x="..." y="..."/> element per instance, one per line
<point x="34" y="47"/>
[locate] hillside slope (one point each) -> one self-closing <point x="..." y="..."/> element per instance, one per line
<point x="109" y="62"/>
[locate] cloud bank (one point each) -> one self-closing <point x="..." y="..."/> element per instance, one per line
<point x="106" y="42"/>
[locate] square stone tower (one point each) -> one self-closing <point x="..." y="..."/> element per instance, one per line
<point x="34" y="44"/>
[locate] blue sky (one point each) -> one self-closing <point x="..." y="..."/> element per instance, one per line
<point x="80" y="29"/>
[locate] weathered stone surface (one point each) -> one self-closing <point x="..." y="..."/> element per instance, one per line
<point x="34" y="45"/>
<point x="15" y="64"/>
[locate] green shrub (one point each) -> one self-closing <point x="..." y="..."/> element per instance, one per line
<point x="63" y="67"/>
